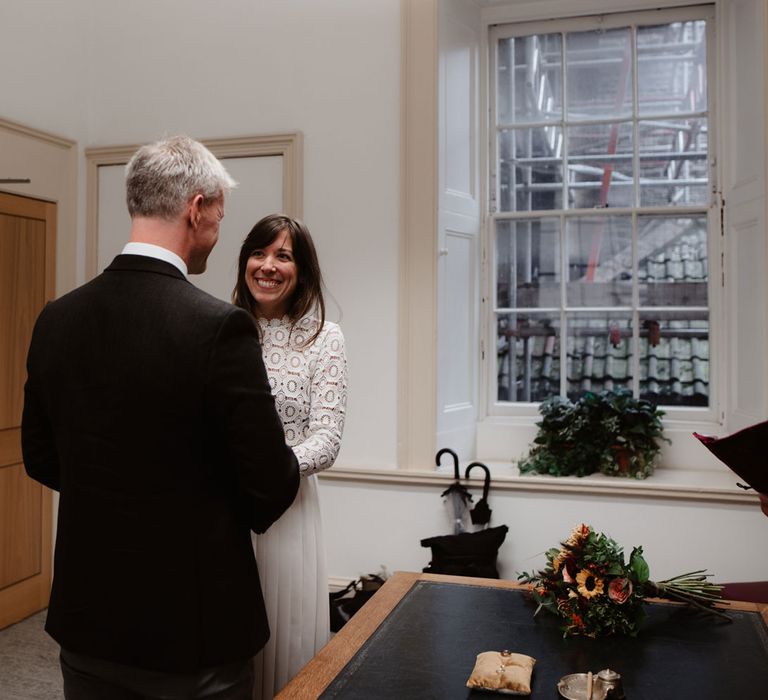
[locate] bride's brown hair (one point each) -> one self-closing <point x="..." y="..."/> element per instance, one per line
<point x="308" y="295"/>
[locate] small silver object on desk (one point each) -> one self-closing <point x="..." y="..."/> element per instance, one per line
<point x="576" y="686"/>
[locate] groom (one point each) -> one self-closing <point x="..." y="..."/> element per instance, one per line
<point x="147" y="407"/>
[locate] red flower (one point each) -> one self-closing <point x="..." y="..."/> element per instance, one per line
<point x="619" y="590"/>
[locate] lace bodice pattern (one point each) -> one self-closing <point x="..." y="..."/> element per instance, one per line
<point x="309" y="384"/>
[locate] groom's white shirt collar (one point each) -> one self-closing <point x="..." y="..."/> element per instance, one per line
<point x="150" y="250"/>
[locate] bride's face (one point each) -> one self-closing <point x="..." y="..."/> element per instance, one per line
<point x="271" y="276"/>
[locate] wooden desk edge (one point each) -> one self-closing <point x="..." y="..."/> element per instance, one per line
<point x="318" y="674"/>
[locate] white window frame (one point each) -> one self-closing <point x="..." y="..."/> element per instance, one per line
<point x="736" y="401"/>
<point x="699" y="415"/>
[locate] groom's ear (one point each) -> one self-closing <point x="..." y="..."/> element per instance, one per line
<point x="194" y="210"/>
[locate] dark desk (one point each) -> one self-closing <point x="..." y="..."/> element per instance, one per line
<point x="418" y="638"/>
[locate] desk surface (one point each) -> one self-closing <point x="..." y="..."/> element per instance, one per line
<point x="419" y="635"/>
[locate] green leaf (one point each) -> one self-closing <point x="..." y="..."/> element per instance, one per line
<point x="638" y="565"/>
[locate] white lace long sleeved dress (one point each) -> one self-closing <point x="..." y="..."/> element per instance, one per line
<point x="310" y="389"/>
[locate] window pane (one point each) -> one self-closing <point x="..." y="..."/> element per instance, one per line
<point x="530" y="78"/>
<point x="530" y="169"/>
<point x="600" y="165"/>
<point x="599" y="261"/>
<point x="528" y="263"/>
<point x="599" y="352"/>
<point x="672" y="68"/>
<point x="673" y="162"/>
<point x="599" y="74"/>
<point x="674" y="358"/>
<point x="528" y="354"/>
<point x="673" y="263"/>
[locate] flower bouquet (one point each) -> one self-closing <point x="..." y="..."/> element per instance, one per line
<point x="587" y="583"/>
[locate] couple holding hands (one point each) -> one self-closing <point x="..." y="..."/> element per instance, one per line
<point x="183" y="435"/>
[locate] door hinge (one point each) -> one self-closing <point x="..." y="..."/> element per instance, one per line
<point x="722" y="240"/>
<point x="722" y="216"/>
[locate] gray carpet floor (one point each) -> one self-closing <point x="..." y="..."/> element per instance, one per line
<point x="29" y="662"/>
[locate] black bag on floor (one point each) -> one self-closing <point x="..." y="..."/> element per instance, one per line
<point x="346" y="602"/>
<point x="466" y="554"/>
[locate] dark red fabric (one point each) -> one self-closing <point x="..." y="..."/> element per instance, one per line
<point x="750" y="591"/>
<point x="744" y="452"/>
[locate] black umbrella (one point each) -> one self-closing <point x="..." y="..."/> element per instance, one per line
<point x="466" y="553"/>
<point x="456" y="495"/>
<point x="481" y="513"/>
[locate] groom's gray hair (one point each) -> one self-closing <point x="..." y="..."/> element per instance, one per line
<point x="162" y="177"/>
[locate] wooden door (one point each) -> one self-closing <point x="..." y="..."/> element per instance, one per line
<point x="27" y="257"/>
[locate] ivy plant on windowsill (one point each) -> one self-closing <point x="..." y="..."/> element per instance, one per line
<point x="610" y="432"/>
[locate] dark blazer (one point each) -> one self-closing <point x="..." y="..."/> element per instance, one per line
<point x="147" y="406"/>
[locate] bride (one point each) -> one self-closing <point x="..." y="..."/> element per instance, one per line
<point x="280" y="283"/>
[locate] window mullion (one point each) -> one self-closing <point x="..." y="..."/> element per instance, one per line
<point x="563" y="237"/>
<point x="635" y="340"/>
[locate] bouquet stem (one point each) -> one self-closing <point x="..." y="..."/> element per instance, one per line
<point x="691" y="588"/>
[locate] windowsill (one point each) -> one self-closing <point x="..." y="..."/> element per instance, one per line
<point x="707" y="485"/>
<point x="499" y="438"/>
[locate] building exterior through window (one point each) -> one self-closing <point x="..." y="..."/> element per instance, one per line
<point x="603" y="207"/>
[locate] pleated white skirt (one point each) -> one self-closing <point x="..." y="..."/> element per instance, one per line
<point x="294" y="579"/>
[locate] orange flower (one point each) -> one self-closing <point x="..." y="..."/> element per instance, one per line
<point x="578" y="535"/>
<point x="558" y="559"/>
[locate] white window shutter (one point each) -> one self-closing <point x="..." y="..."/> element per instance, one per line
<point x="458" y="251"/>
<point x="743" y="96"/>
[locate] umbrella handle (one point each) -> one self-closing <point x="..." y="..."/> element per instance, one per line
<point x="444" y="451"/>
<point x="487" y="484"/>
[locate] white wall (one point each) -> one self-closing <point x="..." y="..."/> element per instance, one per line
<point x="329" y="69"/>
<point x="43" y="54"/>
<point x="44" y="85"/>
<point x="370" y="525"/>
<point x="105" y="73"/>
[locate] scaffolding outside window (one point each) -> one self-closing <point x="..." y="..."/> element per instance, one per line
<point x="601" y="207"/>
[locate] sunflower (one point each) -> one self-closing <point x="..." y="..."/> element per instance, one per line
<point x="589" y="584"/>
